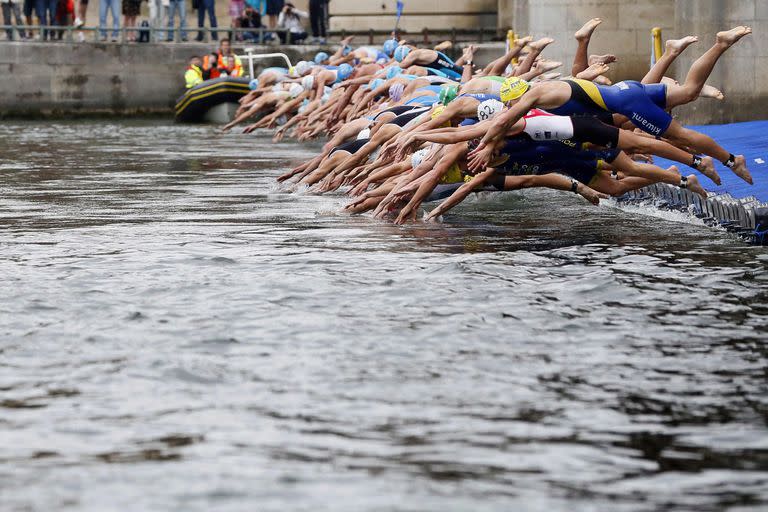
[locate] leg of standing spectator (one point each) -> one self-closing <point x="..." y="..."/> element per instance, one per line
<point x="103" y="5"/>
<point x="115" y="8"/>
<point x="17" y="17"/>
<point x="324" y="20"/>
<point x="210" y="6"/>
<point x="7" y="20"/>
<point x="171" y="16"/>
<point x="314" y="18"/>
<point x="200" y="20"/>
<point x="183" y="16"/>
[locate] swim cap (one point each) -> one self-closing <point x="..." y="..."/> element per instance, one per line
<point x="327" y="90"/>
<point x="389" y="46"/>
<point x="344" y="71"/>
<point x="513" y="88"/>
<point x="396" y="91"/>
<point x="447" y="93"/>
<point x="437" y="111"/>
<point x="303" y="106"/>
<point x="295" y="90"/>
<point x="253" y="84"/>
<point x="302" y="68"/>
<point x="364" y="134"/>
<point x="321" y="57"/>
<point x="488" y="109"/>
<point x="393" y="71"/>
<point x="346" y="50"/>
<point x="277" y="88"/>
<point x="308" y="82"/>
<point x="418" y="157"/>
<point x="401" y="52"/>
<point x="375" y="83"/>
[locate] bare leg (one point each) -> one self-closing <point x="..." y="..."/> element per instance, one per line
<point x="498" y="66"/>
<point x="672" y="48"/>
<point x="705" y="144"/>
<point x="593" y="71"/>
<point x="702" y="68"/>
<point x="583" y="35"/>
<point x="536" y="48"/>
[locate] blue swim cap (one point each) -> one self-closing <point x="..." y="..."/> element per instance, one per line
<point x="401" y="52"/>
<point x="253" y="84"/>
<point x="375" y="83"/>
<point x="346" y="50"/>
<point x="389" y="46"/>
<point x="321" y="57"/>
<point x="344" y="71"/>
<point x="393" y="71"/>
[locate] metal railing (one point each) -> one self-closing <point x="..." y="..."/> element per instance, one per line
<point x="70" y="34"/>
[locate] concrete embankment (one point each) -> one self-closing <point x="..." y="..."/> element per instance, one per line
<point x="64" y="79"/>
<point x="101" y="78"/>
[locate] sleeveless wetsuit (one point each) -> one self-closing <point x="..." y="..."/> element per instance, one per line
<point x="643" y="104"/>
<point x="445" y="65"/>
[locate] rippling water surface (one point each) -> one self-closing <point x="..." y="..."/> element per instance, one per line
<point x="179" y="334"/>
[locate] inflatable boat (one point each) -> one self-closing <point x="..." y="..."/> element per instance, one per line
<point x="213" y="101"/>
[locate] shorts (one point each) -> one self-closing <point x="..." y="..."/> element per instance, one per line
<point x="30" y="6"/>
<point x="274" y="7"/>
<point x="586" y="129"/>
<point x="643" y="104"/>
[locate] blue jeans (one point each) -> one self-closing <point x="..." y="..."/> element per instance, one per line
<point x="181" y="6"/>
<point x="46" y="11"/>
<point x="209" y="7"/>
<point x="114" y="6"/>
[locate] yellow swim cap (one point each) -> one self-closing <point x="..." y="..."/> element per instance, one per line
<point x="513" y="88"/>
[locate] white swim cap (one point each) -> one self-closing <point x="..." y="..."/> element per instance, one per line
<point x="364" y="134"/>
<point x="488" y="109"/>
<point x="302" y="68"/>
<point x="418" y="157"/>
<point x="295" y="90"/>
<point x="307" y="82"/>
<point x="277" y="88"/>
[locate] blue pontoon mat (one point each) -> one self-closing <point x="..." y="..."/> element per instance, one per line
<point x="749" y="139"/>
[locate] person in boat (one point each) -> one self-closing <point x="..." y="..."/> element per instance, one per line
<point x="223" y="62"/>
<point x="194" y="74"/>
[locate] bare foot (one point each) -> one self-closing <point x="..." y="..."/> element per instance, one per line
<point x="707" y="168"/>
<point x="550" y="76"/>
<point x="740" y="168"/>
<point x="585" y="32"/>
<point x="523" y="41"/>
<point x="669" y="81"/>
<point x="601" y="59"/>
<point x="729" y="37"/>
<point x="541" y="43"/>
<point x="695" y="187"/>
<point x="602" y="80"/>
<point x="544" y="66"/>
<point x="711" y="92"/>
<point x="593" y="71"/>
<point x="676" y="46"/>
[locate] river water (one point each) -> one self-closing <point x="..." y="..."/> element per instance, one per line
<point x="179" y="334"/>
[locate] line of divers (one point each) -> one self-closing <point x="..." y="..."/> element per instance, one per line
<point x="408" y="125"/>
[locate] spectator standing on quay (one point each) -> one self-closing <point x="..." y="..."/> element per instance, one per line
<point x="29" y="7"/>
<point x="290" y="18"/>
<point x="112" y="6"/>
<point x="274" y="8"/>
<point x="65" y="9"/>
<point x="131" y="9"/>
<point x="180" y="7"/>
<point x="12" y="7"/>
<point x="158" y="16"/>
<point x="47" y="13"/>
<point x="208" y="6"/>
<point x="80" y="11"/>
<point x="318" y="18"/>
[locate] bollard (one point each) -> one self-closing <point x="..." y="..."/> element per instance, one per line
<point x="510" y="43"/>
<point x="656" y="50"/>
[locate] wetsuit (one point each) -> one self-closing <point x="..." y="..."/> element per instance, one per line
<point x="350" y="147"/>
<point x="643" y="104"/>
<point x="445" y="65"/>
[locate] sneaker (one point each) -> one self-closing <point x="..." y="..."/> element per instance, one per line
<point x="78" y="23"/>
<point x="114" y="39"/>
